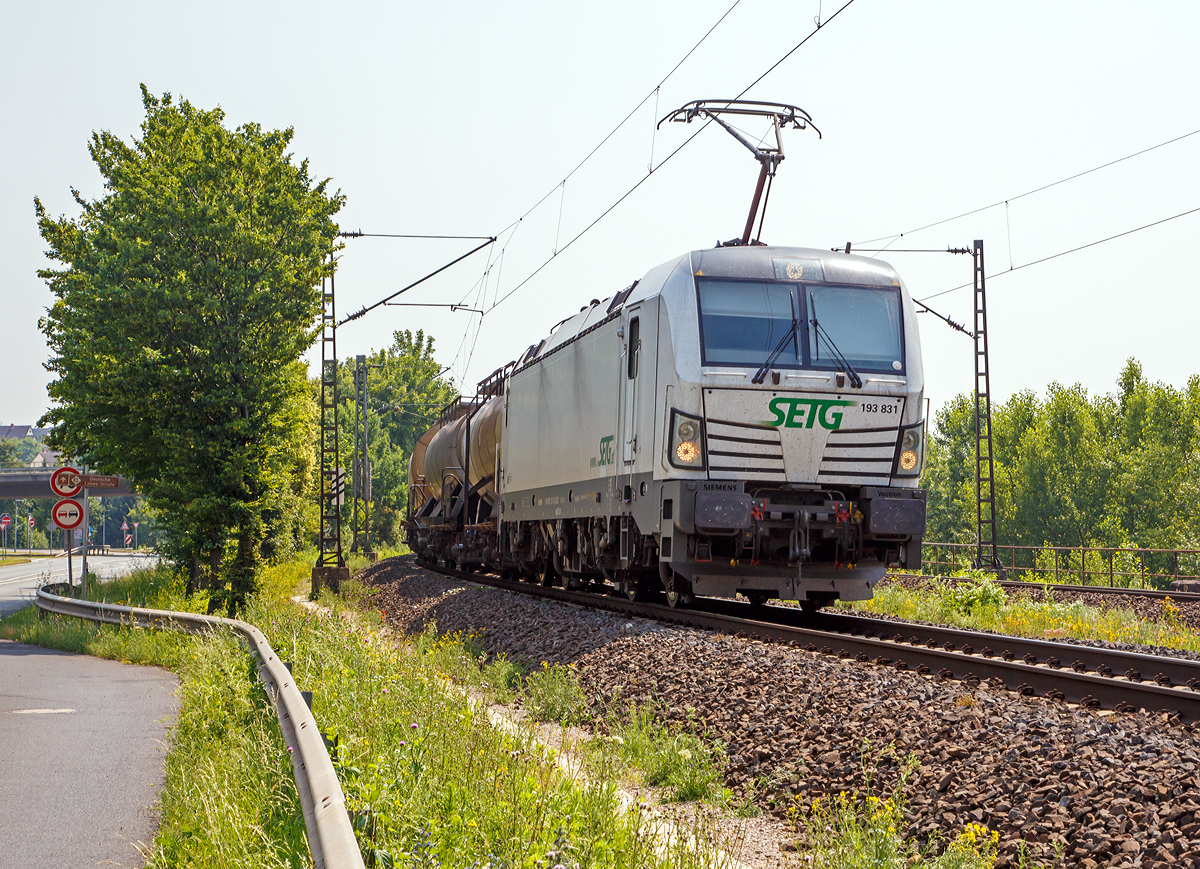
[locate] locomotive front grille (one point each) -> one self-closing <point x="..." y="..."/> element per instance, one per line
<point x="860" y="456"/>
<point x="738" y="449"/>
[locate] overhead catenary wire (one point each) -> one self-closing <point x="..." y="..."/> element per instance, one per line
<point x="1031" y="192"/>
<point x="1064" y="253"/>
<point x="662" y="163"/>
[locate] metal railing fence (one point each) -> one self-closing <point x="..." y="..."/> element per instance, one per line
<point x="1114" y="567"/>
<point x="331" y="838"/>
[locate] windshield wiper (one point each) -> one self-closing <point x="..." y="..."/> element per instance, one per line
<point x="789" y="335"/>
<point x="855" y="380"/>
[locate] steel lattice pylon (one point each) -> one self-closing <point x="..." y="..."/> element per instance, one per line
<point x="332" y="480"/>
<point x="985" y="488"/>
<point x="361" y="467"/>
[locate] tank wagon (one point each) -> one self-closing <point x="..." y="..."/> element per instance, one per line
<point x="742" y="419"/>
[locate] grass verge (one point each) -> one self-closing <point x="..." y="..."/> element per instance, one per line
<point x="428" y="780"/>
<point x="982" y="604"/>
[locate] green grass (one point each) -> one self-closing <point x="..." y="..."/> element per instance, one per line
<point x="427" y="778"/>
<point x="981" y="604"/>
<point x="681" y="760"/>
<point x="4" y="562"/>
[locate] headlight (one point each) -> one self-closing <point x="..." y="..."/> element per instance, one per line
<point x="687" y="441"/>
<point x="910" y="457"/>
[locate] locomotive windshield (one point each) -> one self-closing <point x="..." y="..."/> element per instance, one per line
<point x="742" y="322"/>
<point x="863" y="325"/>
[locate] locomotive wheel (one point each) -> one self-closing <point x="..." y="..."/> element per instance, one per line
<point x="546" y="574"/>
<point x="679" y="592"/>
<point x="637" y="588"/>
<point x="680" y="600"/>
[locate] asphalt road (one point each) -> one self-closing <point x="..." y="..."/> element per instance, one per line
<point x="82" y="742"/>
<point x="19" y="582"/>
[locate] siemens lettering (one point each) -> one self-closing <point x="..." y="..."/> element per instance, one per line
<point x="806" y="412"/>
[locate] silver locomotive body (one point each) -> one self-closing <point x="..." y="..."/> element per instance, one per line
<point x="633" y="446"/>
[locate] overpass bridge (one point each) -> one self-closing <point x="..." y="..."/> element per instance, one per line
<point x="35" y="483"/>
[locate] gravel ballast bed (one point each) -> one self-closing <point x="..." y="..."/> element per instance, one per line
<point x="1117" y="790"/>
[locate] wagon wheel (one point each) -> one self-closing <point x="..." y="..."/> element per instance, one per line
<point x="757" y="598"/>
<point x="546" y="574"/>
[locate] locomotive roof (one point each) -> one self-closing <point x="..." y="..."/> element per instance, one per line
<point x="751" y="262"/>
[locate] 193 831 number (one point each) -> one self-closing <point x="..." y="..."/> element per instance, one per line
<point x="880" y="408"/>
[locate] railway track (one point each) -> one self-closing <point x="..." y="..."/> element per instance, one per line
<point x="1015" y="585"/>
<point x="1089" y="676"/>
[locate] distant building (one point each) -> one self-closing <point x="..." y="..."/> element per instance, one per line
<point x="17" y="432"/>
<point x="47" y="458"/>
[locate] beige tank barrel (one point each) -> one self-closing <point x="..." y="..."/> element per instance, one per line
<point x="443" y="457"/>
<point x="485" y="445"/>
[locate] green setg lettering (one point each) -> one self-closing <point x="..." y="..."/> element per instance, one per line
<point x="807" y="412"/>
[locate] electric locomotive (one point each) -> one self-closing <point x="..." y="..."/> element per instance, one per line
<point x="743" y="419"/>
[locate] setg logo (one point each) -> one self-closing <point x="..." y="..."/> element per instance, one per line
<point x="807" y="412"/>
<point x="607" y="454"/>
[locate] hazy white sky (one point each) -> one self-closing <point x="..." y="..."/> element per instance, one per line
<point x="456" y="118"/>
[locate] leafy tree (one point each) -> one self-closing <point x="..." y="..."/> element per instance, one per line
<point x="407" y="393"/>
<point x="187" y="294"/>
<point x="9" y="454"/>
<point x="1076" y="470"/>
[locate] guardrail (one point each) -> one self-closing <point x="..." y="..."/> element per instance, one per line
<point x="330" y="837"/>
<point x="1115" y="567"/>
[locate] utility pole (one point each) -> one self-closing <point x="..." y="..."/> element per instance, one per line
<point x="87" y="539"/>
<point x="362" y="456"/>
<point x="985" y="471"/>
<point x="330" y="568"/>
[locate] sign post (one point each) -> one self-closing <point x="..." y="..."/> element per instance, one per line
<point x="5" y="521"/>
<point x="29" y="537"/>
<point x="67" y="516"/>
<point x="135" y="525"/>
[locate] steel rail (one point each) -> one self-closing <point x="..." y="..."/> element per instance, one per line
<point x="1134" y="666"/>
<point x="1021" y="585"/>
<point x="331" y="839"/>
<point x="1089" y="689"/>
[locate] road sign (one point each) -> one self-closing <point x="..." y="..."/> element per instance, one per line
<point x="67" y="514"/>
<point x="5" y="521"/>
<point x="125" y="525"/>
<point x="66" y="482"/>
<point x="136" y="524"/>
<point x="30" y="521"/>
<point x="100" y="481"/>
<point x="128" y="539"/>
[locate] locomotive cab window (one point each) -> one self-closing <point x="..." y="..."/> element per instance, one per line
<point x="741" y="322"/>
<point x="860" y="323"/>
<point x="635" y="344"/>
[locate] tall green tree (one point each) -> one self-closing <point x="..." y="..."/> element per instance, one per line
<point x="186" y="295"/>
<point x="408" y="390"/>
<point x="1074" y="469"/>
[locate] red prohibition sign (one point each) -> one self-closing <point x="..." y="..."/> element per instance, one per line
<point x="67" y="514"/>
<point x="66" y="482"/>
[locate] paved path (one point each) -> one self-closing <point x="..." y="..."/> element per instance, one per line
<point x="19" y="582"/>
<point x="82" y="742"/>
